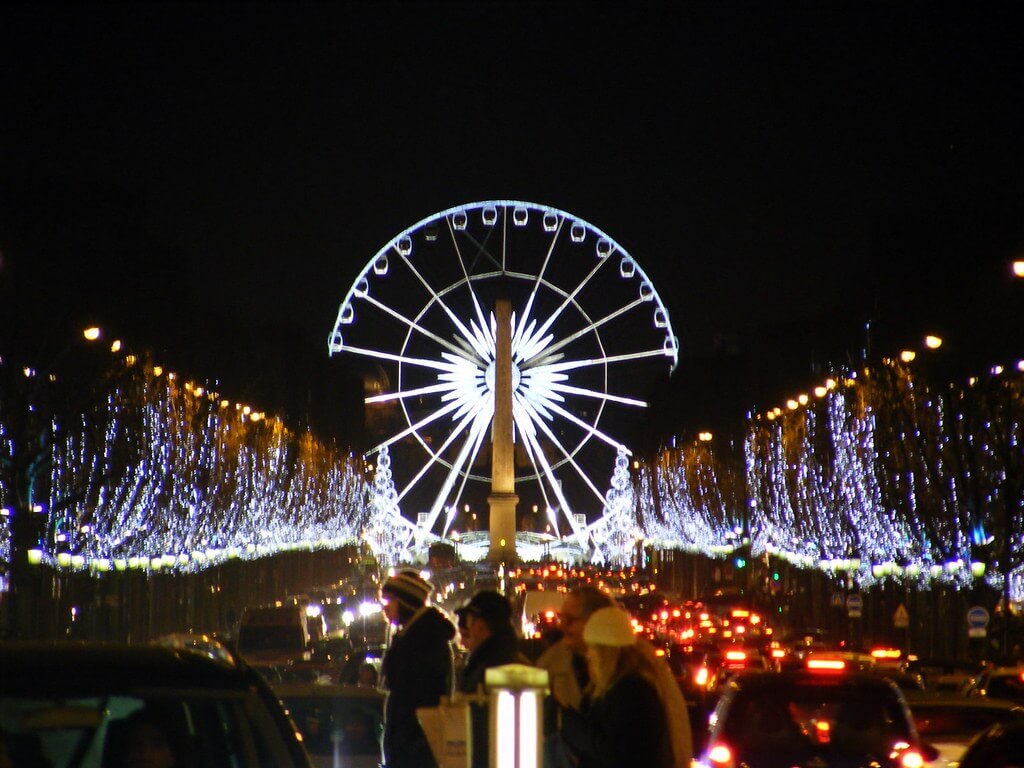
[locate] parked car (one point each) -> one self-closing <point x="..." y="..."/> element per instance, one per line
<point x="1001" y="746"/>
<point x="813" y="718"/>
<point x="341" y="725"/>
<point x="85" y="706"/>
<point x="949" y="721"/>
<point x="999" y="683"/>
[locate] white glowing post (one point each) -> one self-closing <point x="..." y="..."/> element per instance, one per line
<point x="517" y="704"/>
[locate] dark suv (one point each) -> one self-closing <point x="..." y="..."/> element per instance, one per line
<point x="832" y="719"/>
<point x="100" y="706"/>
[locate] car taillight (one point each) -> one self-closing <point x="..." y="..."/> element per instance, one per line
<point x="778" y="653"/>
<point x="826" y="665"/>
<point x="701" y="677"/>
<point x="720" y="755"/>
<point x="735" y="656"/>
<point x="912" y="759"/>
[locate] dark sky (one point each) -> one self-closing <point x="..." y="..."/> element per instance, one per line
<point x="209" y="179"/>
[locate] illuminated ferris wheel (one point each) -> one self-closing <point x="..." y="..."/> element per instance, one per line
<point x="590" y="337"/>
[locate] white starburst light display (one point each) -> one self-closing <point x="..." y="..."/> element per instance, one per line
<point x="387" y="533"/>
<point x="615" y="533"/>
<point x="588" y="331"/>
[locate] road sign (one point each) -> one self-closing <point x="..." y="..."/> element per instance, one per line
<point x="837" y="599"/>
<point x="901" y="618"/>
<point x="977" y="621"/>
<point x="854" y="606"/>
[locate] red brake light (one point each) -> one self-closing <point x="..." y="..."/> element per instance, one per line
<point x="735" y="656"/>
<point x="886" y="653"/>
<point x="778" y="653"/>
<point x="826" y="665"/>
<point x="701" y="678"/>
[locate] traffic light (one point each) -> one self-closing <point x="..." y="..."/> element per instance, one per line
<point x="775" y="575"/>
<point x="741" y="562"/>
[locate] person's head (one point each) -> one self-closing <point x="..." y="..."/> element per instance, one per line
<point x="487" y="613"/>
<point x="578" y="606"/>
<point x="148" y="741"/>
<point x="611" y="647"/>
<point x="367" y="675"/>
<point x="403" y="594"/>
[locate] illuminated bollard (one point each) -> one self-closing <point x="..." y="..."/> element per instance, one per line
<point x="517" y="715"/>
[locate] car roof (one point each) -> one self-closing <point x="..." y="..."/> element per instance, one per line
<point x="288" y="690"/>
<point x="92" y="668"/>
<point x="799" y="678"/>
<point x="924" y="699"/>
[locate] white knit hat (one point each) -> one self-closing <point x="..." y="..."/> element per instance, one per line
<point x="609" y="626"/>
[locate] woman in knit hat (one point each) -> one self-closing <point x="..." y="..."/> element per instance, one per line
<point x="417" y="667"/>
<point x="635" y="714"/>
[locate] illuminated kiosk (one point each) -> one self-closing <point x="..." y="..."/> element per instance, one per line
<point x="587" y="333"/>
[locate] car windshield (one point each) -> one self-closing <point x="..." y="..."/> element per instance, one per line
<point x="835" y="718"/>
<point x="213" y="730"/>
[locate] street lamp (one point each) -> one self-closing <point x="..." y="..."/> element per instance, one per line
<point x="517" y="709"/>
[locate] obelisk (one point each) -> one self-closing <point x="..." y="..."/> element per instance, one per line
<point x="503" y="499"/>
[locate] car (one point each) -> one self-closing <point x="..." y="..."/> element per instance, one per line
<point x="813" y="718"/>
<point x="999" y="683"/>
<point x="87" y="705"/>
<point x="949" y="721"/>
<point x="1001" y="746"/>
<point x="341" y="725"/>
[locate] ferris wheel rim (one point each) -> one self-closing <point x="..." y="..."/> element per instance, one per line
<point x="540" y="207"/>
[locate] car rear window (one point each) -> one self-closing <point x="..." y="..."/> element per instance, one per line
<point x="1007" y="687"/>
<point x="841" y="718"/>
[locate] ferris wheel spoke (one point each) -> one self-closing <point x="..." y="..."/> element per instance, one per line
<point x="417" y="327"/>
<point x="554" y="483"/>
<point x="587" y="427"/>
<point x="436" y="297"/>
<point x="478" y="441"/>
<point x="543" y="425"/>
<point x="423" y="362"/>
<point x="415" y="428"/>
<point x="481" y="418"/>
<point x="402" y="395"/>
<point x="521" y="329"/>
<point x="465" y="273"/>
<point x="528" y="445"/>
<point x="570" y="365"/>
<point x="570" y="390"/>
<point x="435" y="456"/>
<point x="570" y="298"/>
<point x="594" y="325"/>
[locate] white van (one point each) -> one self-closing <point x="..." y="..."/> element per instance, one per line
<point x="275" y="635"/>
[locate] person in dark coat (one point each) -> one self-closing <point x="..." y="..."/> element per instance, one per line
<point x="417" y="668"/>
<point x="634" y="714"/>
<point x="485" y="625"/>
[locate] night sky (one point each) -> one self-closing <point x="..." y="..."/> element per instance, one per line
<point x="208" y="180"/>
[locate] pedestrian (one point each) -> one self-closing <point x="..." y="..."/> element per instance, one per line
<point x="485" y="624"/>
<point x="566" y="660"/>
<point x="633" y="713"/>
<point x="416" y="670"/>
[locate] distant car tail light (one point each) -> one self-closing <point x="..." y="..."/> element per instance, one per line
<point x="778" y="653"/>
<point x="823" y="731"/>
<point x="886" y="653"/>
<point x="659" y="651"/>
<point x="701" y="677"/>
<point x="735" y="656"/>
<point x="720" y="755"/>
<point x="826" y="665"/>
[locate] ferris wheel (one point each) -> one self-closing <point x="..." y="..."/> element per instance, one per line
<point x="590" y="337"/>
